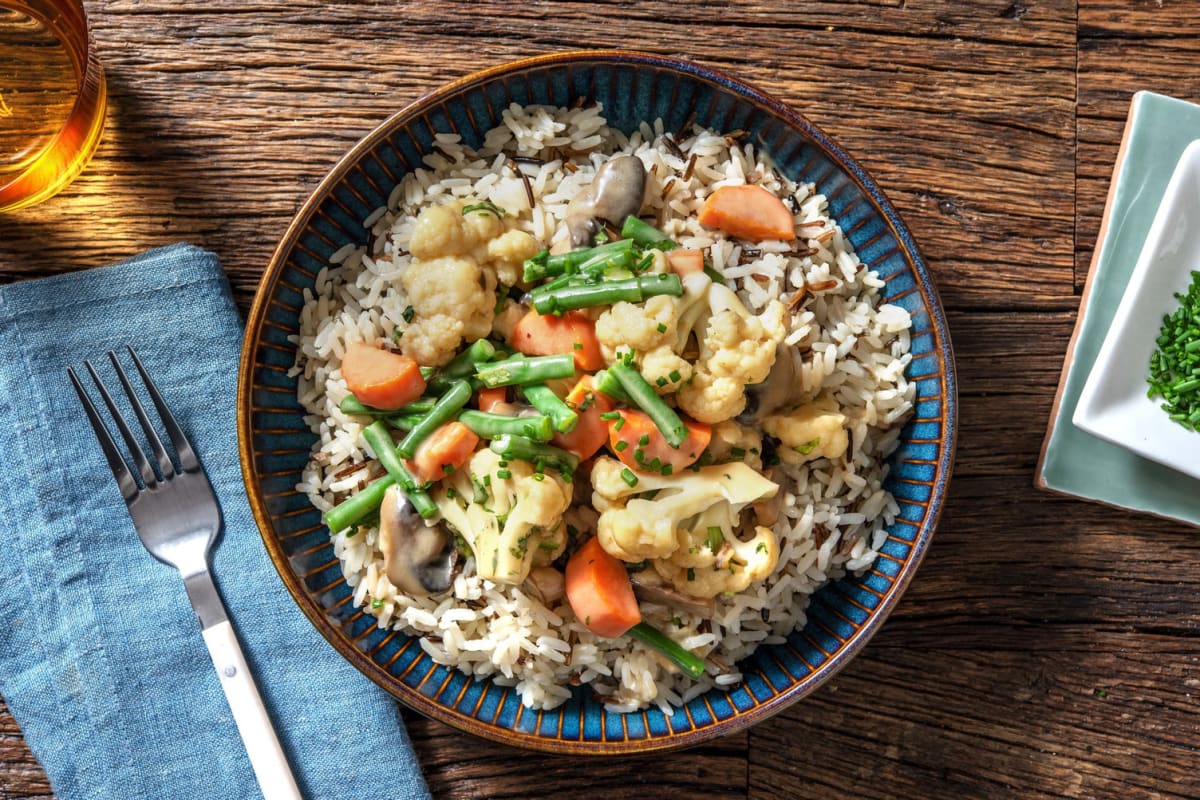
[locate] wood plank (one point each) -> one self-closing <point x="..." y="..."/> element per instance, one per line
<point x="1123" y="48"/>
<point x="970" y="193"/>
<point x="21" y="777"/>
<point x="934" y="723"/>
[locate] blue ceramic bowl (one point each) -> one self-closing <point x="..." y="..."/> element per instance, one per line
<point x="275" y="441"/>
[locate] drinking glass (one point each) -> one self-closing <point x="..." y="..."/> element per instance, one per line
<point x="52" y="98"/>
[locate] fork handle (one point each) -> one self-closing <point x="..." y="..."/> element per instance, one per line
<point x="266" y="756"/>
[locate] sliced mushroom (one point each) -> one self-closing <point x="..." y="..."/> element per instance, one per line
<point x="615" y="193"/>
<point x="418" y="558"/>
<point x="773" y="393"/>
<point x="546" y="584"/>
<point x="648" y="586"/>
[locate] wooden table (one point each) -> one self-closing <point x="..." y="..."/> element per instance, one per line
<point x="1048" y="647"/>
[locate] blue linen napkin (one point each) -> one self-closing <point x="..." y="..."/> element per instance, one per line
<point x="101" y="660"/>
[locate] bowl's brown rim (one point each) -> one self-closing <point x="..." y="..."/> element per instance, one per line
<point x="413" y="699"/>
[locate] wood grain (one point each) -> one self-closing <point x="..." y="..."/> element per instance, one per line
<point x="1048" y="647"/>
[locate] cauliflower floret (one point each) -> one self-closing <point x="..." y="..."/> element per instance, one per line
<point x="453" y="299"/>
<point x="814" y="431"/>
<point x="512" y="521"/>
<point x="712" y="560"/>
<point x="656" y="332"/>
<point x="732" y="442"/>
<point x="446" y="231"/>
<point x="636" y="326"/>
<point x="738" y="348"/>
<point x="438" y="231"/>
<point x="665" y="371"/>
<point x="634" y="528"/>
<point x="709" y="398"/>
<point x="744" y="346"/>
<point x="507" y="254"/>
<point x="458" y="260"/>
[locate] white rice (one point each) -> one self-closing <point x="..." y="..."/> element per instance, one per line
<point x="844" y="341"/>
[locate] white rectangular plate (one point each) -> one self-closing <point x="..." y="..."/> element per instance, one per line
<point x="1113" y="404"/>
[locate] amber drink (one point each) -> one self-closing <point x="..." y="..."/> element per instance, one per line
<point x="52" y="99"/>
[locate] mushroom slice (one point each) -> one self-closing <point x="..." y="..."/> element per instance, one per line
<point x="776" y="391"/>
<point x="648" y="586"/>
<point x="418" y="558"/>
<point x="546" y="584"/>
<point x="615" y="193"/>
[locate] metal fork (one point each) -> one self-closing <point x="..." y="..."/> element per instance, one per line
<point x="177" y="518"/>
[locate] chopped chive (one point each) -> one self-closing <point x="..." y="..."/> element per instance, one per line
<point x="621" y="445"/>
<point x="486" y="206"/>
<point x="503" y="474"/>
<point x="628" y="476"/>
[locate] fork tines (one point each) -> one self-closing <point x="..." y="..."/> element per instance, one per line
<point x="150" y="474"/>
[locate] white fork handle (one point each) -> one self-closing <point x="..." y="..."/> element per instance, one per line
<point x="266" y="756"/>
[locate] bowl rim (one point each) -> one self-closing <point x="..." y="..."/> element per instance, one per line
<point x="942" y="348"/>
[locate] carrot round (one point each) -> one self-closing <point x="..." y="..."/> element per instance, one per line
<point x="748" y="212"/>
<point x="380" y="378"/>
<point x="685" y="262"/>
<point x="639" y="443"/>
<point x="599" y="591"/>
<point x="486" y="399"/>
<point x="547" y="335"/>
<point x="446" y="449"/>
<point x="590" y="431"/>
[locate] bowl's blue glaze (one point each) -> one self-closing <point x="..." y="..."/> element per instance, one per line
<point x="275" y="441"/>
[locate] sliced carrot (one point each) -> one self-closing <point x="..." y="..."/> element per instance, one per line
<point x="547" y="335"/>
<point x="748" y="212"/>
<point x="446" y="449"/>
<point x="599" y="591"/>
<point x="685" y="262"/>
<point x="590" y="432"/>
<point x="640" y="445"/>
<point x="380" y="378"/>
<point x="486" y="398"/>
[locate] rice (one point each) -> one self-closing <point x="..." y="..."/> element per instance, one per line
<point x="843" y="340"/>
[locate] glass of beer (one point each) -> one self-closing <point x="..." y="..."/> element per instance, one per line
<point x="52" y="98"/>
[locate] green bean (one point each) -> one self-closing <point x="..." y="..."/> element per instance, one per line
<point x="603" y="293"/>
<point x="518" y="448"/>
<point x="544" y="265"/>
<point x="543" y="398"/>
<point x="689" y="662"/>
<point x="646" y="235"/>
<point x="357" y="506"/>
<point x="491" y="426"/>
<point x="598" y="266"/>
<point x="446" y="409"/>
<point x="519" y="370"/>
<point x="404" y="422"/>
<point x="377" y="436"/>
<point x="607" y="384"/>
<point x="462" y="365"/>
<point x="352" y="405"/>
<point x="644" y="396"/>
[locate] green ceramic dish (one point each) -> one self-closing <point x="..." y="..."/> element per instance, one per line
<point x="1073" y="462"/>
